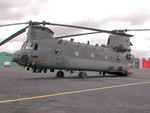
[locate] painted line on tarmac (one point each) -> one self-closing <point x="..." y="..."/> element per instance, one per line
<point x="73" y="92"/>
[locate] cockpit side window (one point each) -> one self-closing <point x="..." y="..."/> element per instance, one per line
<point x="24" y="45"/>
<point x="29" y="45"/>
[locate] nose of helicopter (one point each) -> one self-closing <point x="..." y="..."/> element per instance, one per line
<point x="20" y="58"/>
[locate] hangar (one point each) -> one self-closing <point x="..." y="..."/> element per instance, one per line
<point x="6" y="59"/>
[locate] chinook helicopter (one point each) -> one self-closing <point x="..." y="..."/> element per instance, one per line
<point x="43" y="51"/>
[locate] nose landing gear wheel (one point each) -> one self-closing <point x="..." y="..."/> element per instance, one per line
<point x="60" y="74"/>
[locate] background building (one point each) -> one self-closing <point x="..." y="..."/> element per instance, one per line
<point x="146" y="63"/>
<point x="6" y="59"/>
<point x="140" y="63"/>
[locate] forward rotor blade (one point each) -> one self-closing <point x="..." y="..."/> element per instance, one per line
<point x="66" y="36"/>
<point x="5" y="25"/>
<point x="87" y="28"/>
<point x="14" y="35"/>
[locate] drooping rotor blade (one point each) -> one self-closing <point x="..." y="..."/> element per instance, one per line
<point x="12" y="24"/>
<point x="29" y="22"/>
<point x="14" y="35"/>
<point x="87" y="28"/>
<point x="67" y="36"/>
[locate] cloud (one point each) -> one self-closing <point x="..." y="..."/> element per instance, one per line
<point x="132" y="19"/>
<point x="147" y="38"/>
<point x="16" y="9"/>
<point x="141" y="53"/>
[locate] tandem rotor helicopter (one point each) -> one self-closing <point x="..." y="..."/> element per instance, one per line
<point x="43" y="51"/>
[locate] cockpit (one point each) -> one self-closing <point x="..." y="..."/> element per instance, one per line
<point x="30" y="45"/>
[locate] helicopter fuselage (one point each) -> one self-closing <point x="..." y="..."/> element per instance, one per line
<point x="66" y="55"/>
<point x="41" y="52"/>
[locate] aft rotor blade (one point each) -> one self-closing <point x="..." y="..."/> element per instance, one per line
<point x="67" y="36"/>
<point x="14" y="35"/>
<point x="5" y="25"/>
<point x="137" y="30"/>
<point x="88" y="28"/>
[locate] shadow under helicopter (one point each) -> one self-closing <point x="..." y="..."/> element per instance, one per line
<point x="74" y="77"/>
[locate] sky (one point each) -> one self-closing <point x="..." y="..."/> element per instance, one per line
<point x="101" y="14"/>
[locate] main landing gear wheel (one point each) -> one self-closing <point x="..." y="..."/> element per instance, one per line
<point x="126" y="73"/>
<point x="102" y="74"/>
<point x="82" y="75"/>
<point x="60" y="74"/>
